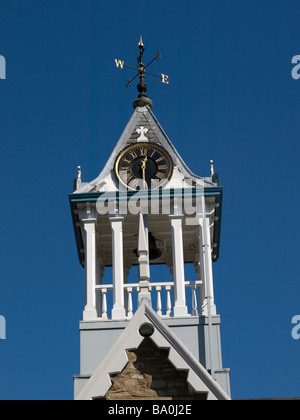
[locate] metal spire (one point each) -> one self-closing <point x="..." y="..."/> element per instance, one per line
<point x="142" y="87"/>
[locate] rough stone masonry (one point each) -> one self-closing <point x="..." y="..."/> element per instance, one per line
<point x="149" y="375"/>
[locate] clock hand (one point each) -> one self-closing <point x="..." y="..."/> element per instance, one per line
<point x="144" y="165"/>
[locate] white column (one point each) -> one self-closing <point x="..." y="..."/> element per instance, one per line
<point x="118" y="311"/>
<point x="90" y="313"/>
<point x="209" y="268"/>
<point x="99" y="276"/>
<point x="200" y="273"/>
<point x="180" y="308"/>
<point x="206" y="266"/>
<point x="210" y="309"/>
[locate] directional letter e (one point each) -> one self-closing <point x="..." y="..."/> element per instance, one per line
<point x="2" y="328"/>
<point x="2" y="67"/>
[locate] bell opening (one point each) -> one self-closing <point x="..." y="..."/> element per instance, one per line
<point x="154" y="252"/>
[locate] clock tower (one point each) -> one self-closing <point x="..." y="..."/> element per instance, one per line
<point x="145" y="214"/>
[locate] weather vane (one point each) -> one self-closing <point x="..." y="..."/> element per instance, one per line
<point x="141" y="68"/>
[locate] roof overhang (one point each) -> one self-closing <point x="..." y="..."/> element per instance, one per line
<point x="210" y="193"/>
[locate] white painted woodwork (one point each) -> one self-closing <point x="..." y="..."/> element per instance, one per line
<point x="118" y="311"/>
<point x="90" y="312"/>
<point x="180" y="308"/>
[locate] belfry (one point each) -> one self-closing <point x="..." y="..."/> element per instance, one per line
<point x="145" y="336"/>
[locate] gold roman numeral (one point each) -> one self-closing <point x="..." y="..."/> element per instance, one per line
<point x="144" y="151"/>
<point x="160" y="175"/>
<point x="133" y="154"/>
<point x="127" y="161"/>
<point x="129" y="178"/>
<point x="124" y="169"/>
<point x="162" y="167"/>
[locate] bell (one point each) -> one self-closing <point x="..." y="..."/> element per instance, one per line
<point x="154" y="251"/>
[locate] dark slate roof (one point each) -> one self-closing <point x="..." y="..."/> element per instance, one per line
<point x="144" y="117"/>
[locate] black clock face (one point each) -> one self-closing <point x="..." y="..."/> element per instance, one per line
<point x="144" y="165"/>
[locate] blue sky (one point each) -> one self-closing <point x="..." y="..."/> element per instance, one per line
<point x="231" y="98"/>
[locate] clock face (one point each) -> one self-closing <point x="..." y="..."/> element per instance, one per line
<point x="144" y="165"/>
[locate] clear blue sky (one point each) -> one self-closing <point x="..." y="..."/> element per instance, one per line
<point x="231" y="99"/>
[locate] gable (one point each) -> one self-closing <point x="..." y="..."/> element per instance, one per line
<point x="142" y="127"/>
<point x="197" y="378"/>
<point x="149" y="133"/>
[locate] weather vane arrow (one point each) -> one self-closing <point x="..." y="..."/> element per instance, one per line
<point x="142" y="87"/>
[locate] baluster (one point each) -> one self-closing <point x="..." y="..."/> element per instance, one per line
<point x="129" y="302"/>
<point x="104" y="304"/>
<point x="169" y="304"/>
<point x="194" y="298"/>
<point x="159" y="305"/>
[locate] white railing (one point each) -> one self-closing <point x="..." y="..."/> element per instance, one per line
<point x="161" y="293"/>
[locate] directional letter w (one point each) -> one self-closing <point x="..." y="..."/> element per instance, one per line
<point x="120" y="63"/>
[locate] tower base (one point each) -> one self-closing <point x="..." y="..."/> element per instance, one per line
<point x="98" y="337"/>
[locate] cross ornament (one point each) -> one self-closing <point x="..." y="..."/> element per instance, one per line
<point x="142" y="131"/>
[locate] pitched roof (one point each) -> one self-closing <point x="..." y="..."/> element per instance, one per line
<point x="180" y="357"/>
<point x="144" y="117"/>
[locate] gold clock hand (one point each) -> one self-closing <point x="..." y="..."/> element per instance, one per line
<point x="144" y="166"/>
<point x="144" y="163"/>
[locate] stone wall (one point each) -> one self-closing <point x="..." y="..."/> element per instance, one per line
<point x="149" y="375"/>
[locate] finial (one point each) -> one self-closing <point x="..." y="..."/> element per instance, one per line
<point x="77" y="182"/>
<point x="142" y="88"/>
<point x="214" y="176"/>
<point x="142" y="50"/>
<point x="212" y="170"/>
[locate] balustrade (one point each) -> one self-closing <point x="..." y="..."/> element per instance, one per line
<point x="161" y="293"/>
